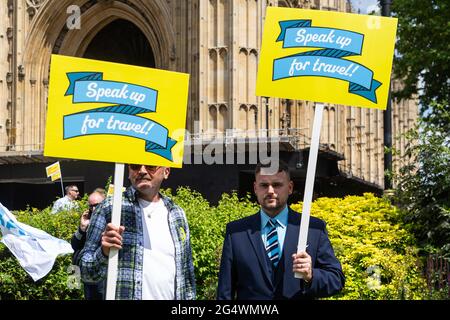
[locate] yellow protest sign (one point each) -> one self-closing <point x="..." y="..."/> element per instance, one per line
<point x="113" y="112"/>
<point x="328" y="57"/>
<point x="53" y="169"/>
<point x="110" y="191"/>
<point x="56" y="176"/>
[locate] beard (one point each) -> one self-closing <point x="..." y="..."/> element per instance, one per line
<point x="271" y="203"/>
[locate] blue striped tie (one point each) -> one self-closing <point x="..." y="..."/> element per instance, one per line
<point x="272" y="248"/>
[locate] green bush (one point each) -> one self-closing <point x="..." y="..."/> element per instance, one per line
<point x="207" y="225"/>
<point x="378" y="256"/>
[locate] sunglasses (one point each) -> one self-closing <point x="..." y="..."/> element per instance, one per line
<point x="92" y="208"/>
<point x="74" y="190"/>
<point x="136" y="167"/>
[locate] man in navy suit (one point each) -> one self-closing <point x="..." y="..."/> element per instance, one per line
<point x="259" y="256"/>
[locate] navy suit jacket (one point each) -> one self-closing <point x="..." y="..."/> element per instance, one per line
<point x="246" y="274"/>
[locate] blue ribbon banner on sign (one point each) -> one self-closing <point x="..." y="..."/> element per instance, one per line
<point x="325" y="62"/>
<point x="118" y="119"/>
<point x="10" y="225"/>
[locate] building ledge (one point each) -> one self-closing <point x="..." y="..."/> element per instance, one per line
<point x="40" y="181"/>
<point x="21" y="157"/>
<point x="27" y="157"/>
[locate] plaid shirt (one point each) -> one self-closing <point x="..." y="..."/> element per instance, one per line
<point x="93" y="263"/>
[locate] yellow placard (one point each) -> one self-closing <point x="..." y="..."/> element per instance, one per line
<point x="110" y="191"/>
<point x="328" y="57"/>
<point x="56" y="176"/>
<point x="114" y="112"/>
<point x="53" y="169"/>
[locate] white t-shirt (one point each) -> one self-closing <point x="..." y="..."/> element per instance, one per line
<point x="158" y="279"/>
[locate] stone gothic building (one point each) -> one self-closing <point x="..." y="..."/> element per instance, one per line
<point x="218" y="43"/>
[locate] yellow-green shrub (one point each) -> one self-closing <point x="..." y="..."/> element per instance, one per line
<point x="378" y="256"/>
<point x="207" y="225"/>
<point x="365" y="233"/>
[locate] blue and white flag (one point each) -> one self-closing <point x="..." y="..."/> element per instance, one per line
<point x="35" y="249"/>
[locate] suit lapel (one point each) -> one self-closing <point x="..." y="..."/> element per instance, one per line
<point x="293" y="228"/>
<point x="254" y="234"/>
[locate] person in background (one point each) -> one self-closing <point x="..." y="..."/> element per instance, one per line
<point x="91" y="291"/>
<point x="259" y="256"/>
<point x="155" y="256"/>
<point x="68" y="202"/>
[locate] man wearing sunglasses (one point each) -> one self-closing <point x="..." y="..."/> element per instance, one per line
<point x="68" y="201"/>
<point x="155" y="258"/>
<point x="91" y="291"/>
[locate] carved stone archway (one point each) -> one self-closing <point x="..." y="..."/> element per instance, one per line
<point x="49" y="34"/>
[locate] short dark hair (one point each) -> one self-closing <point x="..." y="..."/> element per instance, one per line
<point x="282" y="166"/>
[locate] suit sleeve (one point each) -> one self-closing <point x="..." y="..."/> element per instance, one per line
<point x="328" y="278"/>
<point x="226" y="286"/>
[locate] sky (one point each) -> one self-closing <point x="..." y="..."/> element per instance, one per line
<point x="366" y="6"/>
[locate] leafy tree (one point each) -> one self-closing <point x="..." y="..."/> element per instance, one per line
<point x="423" y="63"/>
<point x="423" y="49"/>
<point x="423" y="182"/>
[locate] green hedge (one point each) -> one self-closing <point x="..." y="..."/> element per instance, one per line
<point x="207" y="225"/>
<point x="378" y="256"/>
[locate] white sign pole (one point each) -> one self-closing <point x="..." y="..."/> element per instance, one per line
<point x="309" y="184"/>
<point x="60" y="179"/>
<point x="113" y="260"/>
<point x="62" y="186"/>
